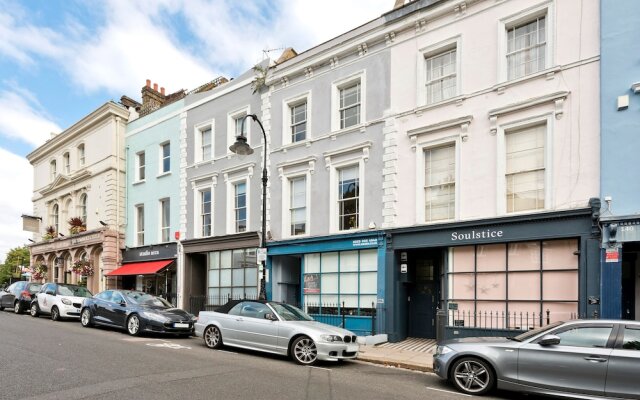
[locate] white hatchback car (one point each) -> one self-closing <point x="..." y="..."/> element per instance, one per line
<point x="60" y="300"/>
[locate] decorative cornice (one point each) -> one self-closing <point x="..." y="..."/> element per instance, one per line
<point x="557" y="98"/>
<point x="363" y="147"/>
<point x="462" y="122"/>
<point x="239" y="168"/>
<point x="63" y="181"/>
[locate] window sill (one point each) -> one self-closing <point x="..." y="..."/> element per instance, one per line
<point x="288" y="146"/>
<point x="457" y="100"/>
<point x="201" y="163"/>
<point x="139" y="182"/>
<point x="360" y="127"/>
<point x="549" y="73"/>
<point x="163" y="174"/>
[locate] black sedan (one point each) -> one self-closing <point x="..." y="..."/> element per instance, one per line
<point x="136" y="312"/>
<point x="18" y="296"/>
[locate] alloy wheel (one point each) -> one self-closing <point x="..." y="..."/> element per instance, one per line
<point x="212" y="337"/>
<point x="85" y="318"/>
<point x="55" y="314"/>
<point x="133" y="325"/>
<point x="17" y="308"/>
<point x="305" y="351"/>
<point x="34" y="310"/>
<point x="472" y="376"/>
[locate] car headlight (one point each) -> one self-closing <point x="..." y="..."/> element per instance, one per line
<point x="442" y="350"/>
<point x="331" y="338"/>
<point x="154" y="317"/>
<point x="66" y="301"/>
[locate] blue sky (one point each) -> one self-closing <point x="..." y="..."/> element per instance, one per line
<point x="61" y="59"/>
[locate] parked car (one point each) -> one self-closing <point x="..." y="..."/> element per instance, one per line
<point x="579" y="359"/>
<point x="18" y="296"/>
<point x="275" y="328"/>
<point x="136" y="312"/>
<point x="60" y="300"/>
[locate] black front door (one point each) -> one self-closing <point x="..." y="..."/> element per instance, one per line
<point x="423" y="295"/>
<point x="629" y="285"/>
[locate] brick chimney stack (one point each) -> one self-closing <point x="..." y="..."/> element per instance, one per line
<point x="151" y="98"/>
<point x="162" y="91"/>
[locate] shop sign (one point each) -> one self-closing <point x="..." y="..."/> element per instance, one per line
<point x="311" y="283"/>
<point x="612" y="256"/>
<point x="458" y="322"/>
<point x="261" y="255"/>
<point x="453" y="306"/>
<point x="151" y="253"/>
<point x="365" y="242"/>
<point x="477" y="234"/>
<point x="629" y="231"/>
<point x="403" y="268"/>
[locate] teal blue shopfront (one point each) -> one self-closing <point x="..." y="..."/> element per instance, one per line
<point x="339" y="279"/>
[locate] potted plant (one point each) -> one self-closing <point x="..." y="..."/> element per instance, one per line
<point x="39" y="271"/>
<point x="82" y="268"/>
<point x="77" y="225"/>
<point x="49" y="232"/>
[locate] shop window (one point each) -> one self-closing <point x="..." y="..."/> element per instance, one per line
<point x="519" y="285"/>
<point x="232" y="274"/>
<point x="340" y="282"/>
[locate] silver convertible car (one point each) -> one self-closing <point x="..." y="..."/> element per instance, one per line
<point x="275" y="328"/>
<point x="581" y="359"/>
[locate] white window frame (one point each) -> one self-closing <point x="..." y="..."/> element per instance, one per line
<point x="231" y="126"/>
<point x="501" y="162"/>
<point x="161" y="158"/>
<point x="138" y="166"/>
<point x="231" y="215"/>
<point x="203" y="184"/>
<point x="286" y="117"/>
<point x="54" y="217"/>
<point x="162" y="227"/>
<point x="432" y="51"/>
<point x="198" y="129"/>
<point x="66" y="161"/>
<point x="527" y="15"/>
<point x="286" y="204"/>
<point x="334" y="224"/>
<point x="137" y="229"/>
<point x="81" y="154"/>
<point x="336" y="86"/>
<point x="82" y="208"/>
<point x="53" y="170"/>
<point x="454" y="140"/>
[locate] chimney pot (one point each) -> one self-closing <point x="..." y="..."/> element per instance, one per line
<point x="162" y="91"/>
<point x="148" y="82"/>
<point x="155" y="87"/>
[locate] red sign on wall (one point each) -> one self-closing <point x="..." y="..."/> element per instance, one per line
<point x="612" y="255"/>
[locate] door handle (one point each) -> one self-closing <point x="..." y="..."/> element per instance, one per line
<point x="595" y="359"/>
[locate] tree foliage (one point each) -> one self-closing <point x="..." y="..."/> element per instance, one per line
<point x="16" y="256"/>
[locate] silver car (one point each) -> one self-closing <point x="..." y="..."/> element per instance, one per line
<point x="584" y="359"/>
<point x="275" y="328"/>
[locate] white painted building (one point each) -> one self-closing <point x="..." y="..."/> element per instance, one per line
<point x="80" y="173"/>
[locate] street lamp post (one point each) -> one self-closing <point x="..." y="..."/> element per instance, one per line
<point x="241" y="147"/>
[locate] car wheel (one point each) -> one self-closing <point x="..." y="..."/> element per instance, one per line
<point x="304" y="351"/>
<point x="85" y="318"/>
<point x="34" y="310"/>
<point x="17" y="308"/>
<point x="133" y="325"/>
<point x="212" y="337"/>
<point x="55" y="313"/>
<point x="472" y="376"/>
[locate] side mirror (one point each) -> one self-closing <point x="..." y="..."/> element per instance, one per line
<point x="123" y="304"/>
<point x="270" y="317"/>
<point x="51" y="292"/>
<point x="549" y="340"/>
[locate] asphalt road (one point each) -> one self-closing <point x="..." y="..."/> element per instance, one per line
<point x="42" y="359"/>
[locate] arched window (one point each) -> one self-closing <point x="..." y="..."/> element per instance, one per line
<point x="82" y="207"/>
<point x="66" y="161"/>
<point x="81" y="155"/>
<point x="55" y="215"/>
<point x="53" y="169"/>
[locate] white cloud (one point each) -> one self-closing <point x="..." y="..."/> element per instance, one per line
<point x="23" y="118"/>
<point x="15" y="173"/>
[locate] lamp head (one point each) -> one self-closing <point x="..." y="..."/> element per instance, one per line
<point x="241" y="147"/>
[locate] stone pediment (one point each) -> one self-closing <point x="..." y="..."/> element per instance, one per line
<point x="63" y="181"/>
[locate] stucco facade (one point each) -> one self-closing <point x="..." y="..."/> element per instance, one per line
<point x="80" y="172"/>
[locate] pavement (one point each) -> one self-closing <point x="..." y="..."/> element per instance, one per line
<point x="414" y="360"/>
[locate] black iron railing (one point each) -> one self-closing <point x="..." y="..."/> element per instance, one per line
<point x="211" y="303"/>
<point x="513" y="320"/>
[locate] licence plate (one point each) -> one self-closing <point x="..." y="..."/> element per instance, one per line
<point x="78" y="310"/>
<point x="180" y="325"/>
<point x="352" y="348"/>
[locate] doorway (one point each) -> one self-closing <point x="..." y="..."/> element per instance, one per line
<point x="286" y="276"/>
<point x="423" y="292"/>
<point x="631" y="281"/>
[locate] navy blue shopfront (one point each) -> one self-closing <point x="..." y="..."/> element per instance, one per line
<point x="339" y="280"/>
<point x="492" y="276"/>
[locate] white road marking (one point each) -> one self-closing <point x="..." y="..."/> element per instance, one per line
<point x="169" y="346"/>
<point x="310" y="366"/>
<point x="448" y="391"/>
<point x="227" y="351"/>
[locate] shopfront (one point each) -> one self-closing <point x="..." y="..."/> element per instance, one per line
<point x="220" y="268"/>
<point x="338" y="279"/>
<point x="621" y="267"/>
<point x="512" y="273"/>
<point x="151" y="269"/>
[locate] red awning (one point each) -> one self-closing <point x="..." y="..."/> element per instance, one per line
<point x="140" y="268"/>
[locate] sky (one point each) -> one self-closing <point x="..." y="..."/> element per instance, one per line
<point x="61" y="59"/>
